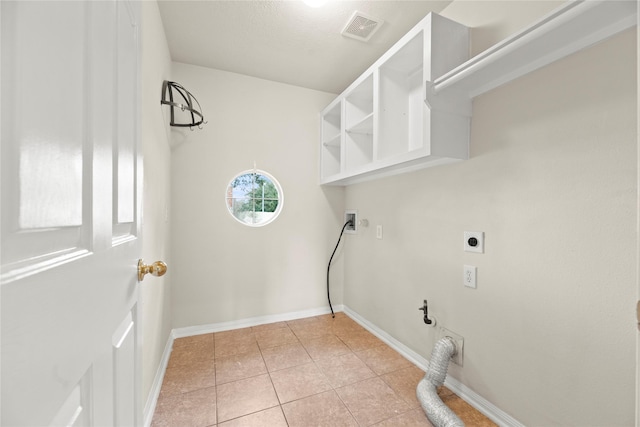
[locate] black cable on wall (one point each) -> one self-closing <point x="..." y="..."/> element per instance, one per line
<point x="329" y="266"/>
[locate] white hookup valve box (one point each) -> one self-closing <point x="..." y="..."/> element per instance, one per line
<point x="351" y="215"/>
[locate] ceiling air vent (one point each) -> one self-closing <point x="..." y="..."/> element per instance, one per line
<point x="361" y="27"/>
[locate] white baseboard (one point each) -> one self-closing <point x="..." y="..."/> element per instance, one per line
<point x="152" y="399"/>
<point x="492" y="412"/>
<point x="154" y="393"/>
<point x="481" y="404"/>
<point x="251" y="321"/>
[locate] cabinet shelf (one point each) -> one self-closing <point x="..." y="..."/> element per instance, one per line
<point x="364" y="126"/>
<point x="333" y="141"/>
<point x="331" y="157"/>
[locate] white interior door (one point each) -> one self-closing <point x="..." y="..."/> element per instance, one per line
<point x="70" y="213"/>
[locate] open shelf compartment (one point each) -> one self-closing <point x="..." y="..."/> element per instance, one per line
<point x="331" y="135"/>
<point x="401" y="100"/>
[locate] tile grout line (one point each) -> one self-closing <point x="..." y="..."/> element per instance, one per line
<point x="378" y="376"/>
<point x="328" y="331"/>
<point x="333" y="388"/>
<point x="215" y="372"/>
<point x="273" y="385"/>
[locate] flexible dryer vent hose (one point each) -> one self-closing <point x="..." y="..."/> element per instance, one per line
<point x="427" y="392"/>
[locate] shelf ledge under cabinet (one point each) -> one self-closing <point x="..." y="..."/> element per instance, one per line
<point x="385" y="168"/>
<point x="568" y="29"/>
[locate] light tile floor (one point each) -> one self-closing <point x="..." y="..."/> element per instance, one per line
<point x="318" y="371"/>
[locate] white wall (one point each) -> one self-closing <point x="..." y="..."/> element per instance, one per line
<point x="549" y="333"/>
<point x="154" y="291"/>
<point x="550" y="330"/>
<point x="638" y="215"/>
<point x="222" y="270"/>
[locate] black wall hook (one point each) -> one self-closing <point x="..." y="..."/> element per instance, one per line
<point x="171" y="94"/>
<point x="426" y="314"/>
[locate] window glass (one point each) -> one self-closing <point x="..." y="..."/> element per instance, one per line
<point x="254" y="198"/>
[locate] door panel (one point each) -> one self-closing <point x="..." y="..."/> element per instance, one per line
<point x="76" y="410"/>
<point x="53" y="196"/>
<point x="70" y="213"/>
<point x="124" y="347"/>
<point x="46" y="162"/>
<point x="126" y="116"/>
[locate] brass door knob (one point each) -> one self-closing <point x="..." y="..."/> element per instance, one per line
<point x="157" y="269"/>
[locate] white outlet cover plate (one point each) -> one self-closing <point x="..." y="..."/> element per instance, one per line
<point x="479" y="236"/>
<point x="469" y="276"/>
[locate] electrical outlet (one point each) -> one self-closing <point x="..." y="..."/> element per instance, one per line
<point x="351" y="215"/>
<point x="469" y="276"/>
<point x="474" y="241"/>
<point x="458" y="357"/>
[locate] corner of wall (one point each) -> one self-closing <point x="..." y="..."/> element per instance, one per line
<point x="155" y="317"/>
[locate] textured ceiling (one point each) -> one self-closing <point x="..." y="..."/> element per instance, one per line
<point x="286" y="41"/>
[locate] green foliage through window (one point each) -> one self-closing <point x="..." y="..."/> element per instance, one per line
<point x="253" y="198"/>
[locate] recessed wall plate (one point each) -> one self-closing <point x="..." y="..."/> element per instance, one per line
<point x="474" y="241"/>
<point x="459" y="356"/>
<point x="351" y="215"/>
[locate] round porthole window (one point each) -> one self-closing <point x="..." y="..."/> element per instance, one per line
<point x="254" y="198"/>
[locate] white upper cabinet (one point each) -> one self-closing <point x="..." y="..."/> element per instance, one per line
<point x="380" y="125"/>
<point x="412" y="108"/>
